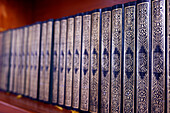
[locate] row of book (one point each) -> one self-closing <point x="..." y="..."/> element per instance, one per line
<point x="114" y="59"/>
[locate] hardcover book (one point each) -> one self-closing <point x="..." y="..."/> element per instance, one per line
<point x="56" y="60"/>
<point x="85" y="62"/>
<point x="95" y="60"/>
<point x="116" y="58"/>
<point x="105" y="59"/>
<point x="129" y="57"/>
<point x="48" y="54"/>
<point x="28" y="62"/>
<point x="69" y="60"/>
<point x="142" y="71"/>
<point x="77" y="61"/>
<point x="62" y="61"/>
<point x="158" y="56"/>
<point x="168" y="56"/>
<point x="42" y="62"/>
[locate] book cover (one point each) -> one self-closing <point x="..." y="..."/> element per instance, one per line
<point x="62" y="68"/>
<point x="69" y="61"/>
<point x="105" y="60"/>
<point x="84" y="105"/>
<point x="56" y="60"/>
<point x="95" y="60"/>
<point x="142" y="53"/>
<point x="77" y="61"/>
<point x="48" y="54"/>
<point x="129" y="57"/>
<point x="116" y="58"/>
<point x="42" y="62"/>
<point x="28" y="62"/>
<point x="158" y="56"/>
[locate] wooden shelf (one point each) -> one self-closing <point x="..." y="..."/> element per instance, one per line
<point x="10" y="102"/>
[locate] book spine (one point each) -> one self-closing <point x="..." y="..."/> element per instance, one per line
<point x="158" y="56"/>
<point x="12" y="62"/>
<point x="95" y="61"/>
<point x="116" y="59"/>
<point x="69" y="66"/>
<point x="48" y="60"/>
<point x="129" y="57"/>
<point x="77" y="62"/>
<point x="62" y="61"/>
<point x="142" y="62"/>
<point x="28" y="68"/>
<point x="105" y="60"/>
<point x="42" y="63"/>
<point x="56" y="60"/>
<point x="168" y="56"/>
<point x="85" y="62"/>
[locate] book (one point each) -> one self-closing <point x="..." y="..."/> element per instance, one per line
<point x="42" y="62"/>
<point x="168" y="56"/>
<point x="129" y="57"/>
<point x="56" y="60"/>
<point x="28" y="62"/>
<point x="105" y="60"/>
<point x="158" y="57"/>
<point x="62" y="67"/>
<point x="85" y="74"/>
<point x="48" y="61"/>
<point x="77" y="61"/>
<point x="116" y="57"/>
<point x="69" y="61"/>
<point x="95" y="60"/>
<point x="142" y="54"/>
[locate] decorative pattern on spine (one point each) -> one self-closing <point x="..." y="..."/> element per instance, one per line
<point x="85" y="62"/>
<point x="69" y="66"/>
<point x="142" y="57"/>
<point x="56" y="60"/>
<point x="105" y="61"/>
<point x="48" y="60"/>
<point x="77" y="60"/>
<point x="62" y="61"/>
<point x="94" y="71"/>
<point x="116" y="59"/>
<point x="168" y="56"/>
<point x="158" y="56"/>
<point x="129" y="58"/>
<point x="42" y="63"/>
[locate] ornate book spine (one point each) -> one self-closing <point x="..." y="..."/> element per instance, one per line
<point x="24" y="57"/>
<point x="69" y="66"/>
<point x="42" y="63"/>
<point x="116" y="58"/>
<point x="168" y="56"/>
<point x="129" y="57"/>
<point x="28" y="67"/>
<point x="12" y="61"/>
<point x="105" y="60"/>
<point x="56" y="60"/>
<point x="158" y="56"/>
<point x="77" y="62"/>
<point x="85" y="62"/>
<point x="62" y="61"/>
<point x="143" y="38"/>
<point x="48" y="60"/>
<point x="95" y="61"/>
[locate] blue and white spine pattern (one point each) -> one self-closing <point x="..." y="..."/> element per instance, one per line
<point x="129" y="59"/>
<point x="105" y="61"/>
<point x="69" y="66"/>
<point x="77" y="60"/>
<point x="62" y="61"/>
<point x="56" y="60"/>
<point x="116" y="60"/>
<point x="158" y="56"/>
